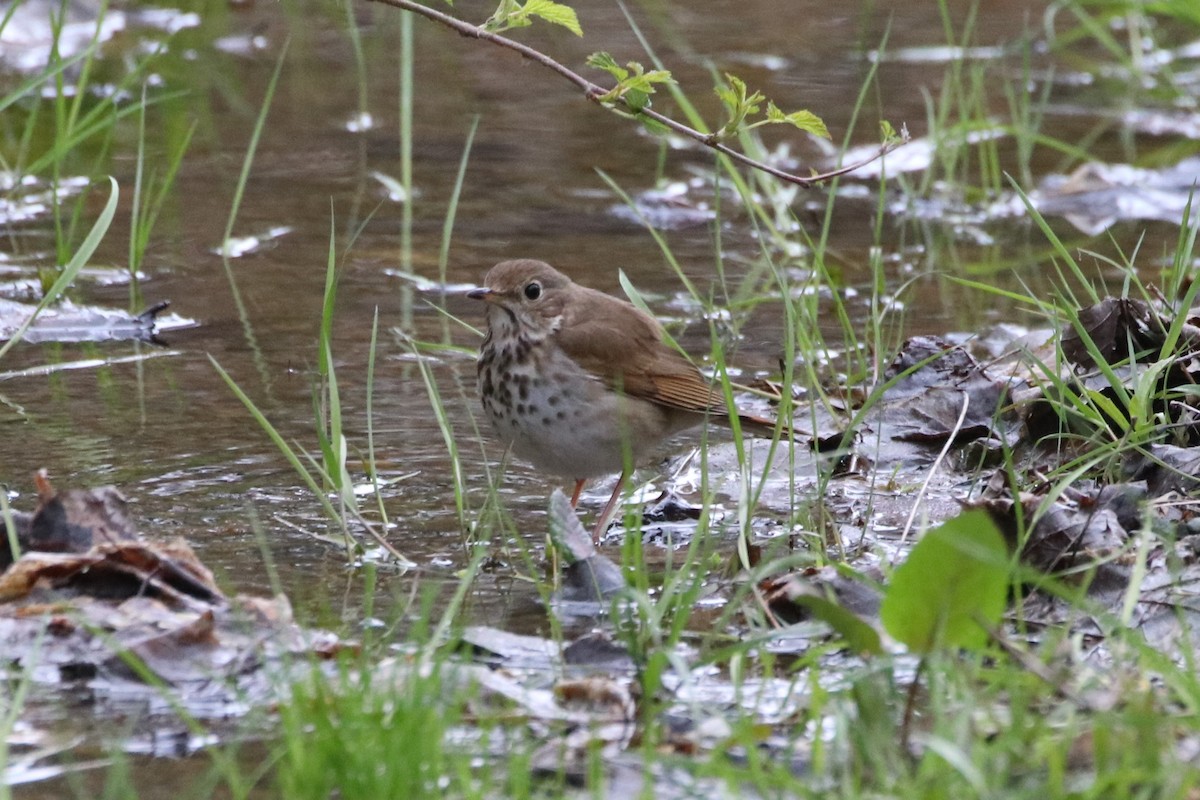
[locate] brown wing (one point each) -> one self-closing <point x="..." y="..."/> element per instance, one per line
<point x="623" y="347"/>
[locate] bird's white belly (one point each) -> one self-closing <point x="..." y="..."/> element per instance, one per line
<point x="567" y="422"/>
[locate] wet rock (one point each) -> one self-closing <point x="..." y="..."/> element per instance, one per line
<point x="589" y="577"/>
<point x="598" y="650"/>
<point x="670" y="507"/>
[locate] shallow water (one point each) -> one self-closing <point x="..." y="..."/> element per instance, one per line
<point x="168" y="432"/>
<point x="172" y="436"/>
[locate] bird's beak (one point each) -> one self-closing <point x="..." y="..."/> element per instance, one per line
<point x="481" y="294"/>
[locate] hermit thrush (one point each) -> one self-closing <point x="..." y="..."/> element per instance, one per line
<point x="581" y="383"/>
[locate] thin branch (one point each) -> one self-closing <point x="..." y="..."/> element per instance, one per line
<point x="594" y="93"/>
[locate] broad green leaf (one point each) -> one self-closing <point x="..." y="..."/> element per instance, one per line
<point x="607" y="63"/>
<point x="556" y="13"/>
<point x="737" y="103"/>
<point x="645" y="83"/>
<point x="653" y="125"/>
<point x="505" y="17"/>
<point x="737" y="90"/>
<point x="727" y="97"/>
<point x="887" y="132"/>
<point x="634" y="85"/>
<point x="954" y="582"/>
<point x="747" y="103"/>
<point x="860" y="637"/>
<point x="658" y="76"/>
<point x="804" y="120"/>
<point x="636" y="99"/>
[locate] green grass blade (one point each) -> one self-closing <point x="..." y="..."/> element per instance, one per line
<point x="74" y="266"/>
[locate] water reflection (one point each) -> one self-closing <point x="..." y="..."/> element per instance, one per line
<point x="170" y="433"/>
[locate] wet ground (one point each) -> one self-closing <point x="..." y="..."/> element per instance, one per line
<point x="168" y="432"/>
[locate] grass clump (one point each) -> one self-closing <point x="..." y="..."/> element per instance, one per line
<point x="351" y="737"/>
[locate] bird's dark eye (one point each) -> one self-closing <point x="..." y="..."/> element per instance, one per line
<point x="533" y="290"/>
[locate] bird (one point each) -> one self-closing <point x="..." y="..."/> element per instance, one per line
<point x="582" y="384"/>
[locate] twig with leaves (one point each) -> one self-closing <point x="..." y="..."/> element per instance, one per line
<point x="634" y="85"/>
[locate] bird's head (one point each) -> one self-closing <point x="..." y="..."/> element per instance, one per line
<point x="525" y="295"/>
